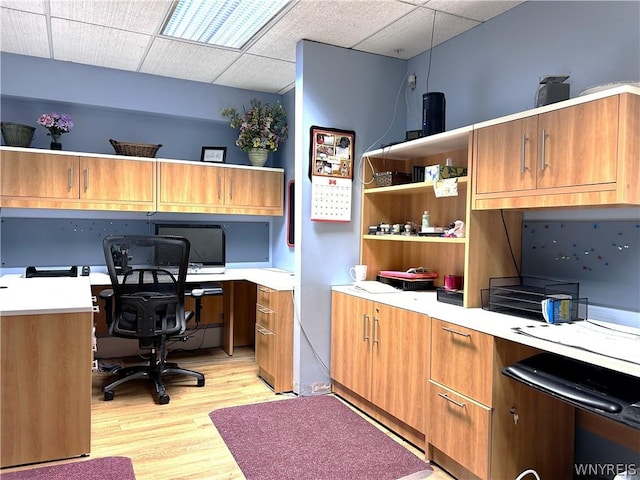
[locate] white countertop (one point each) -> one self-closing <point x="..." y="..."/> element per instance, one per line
<point x="496" y="324"/>
<point x="30" y="296"/>
<point x="273" y="278"/>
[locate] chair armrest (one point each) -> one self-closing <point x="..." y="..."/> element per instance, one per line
<point x="106" y="294"/>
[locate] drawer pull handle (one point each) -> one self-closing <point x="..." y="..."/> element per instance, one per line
<point x="263" y="331"/>
<point x="523" y="165"/>
<point x="459" y="404"/>
<point x="374" y="333"/>
<point x="365" y="319"/>
<point x="451" y="330"/>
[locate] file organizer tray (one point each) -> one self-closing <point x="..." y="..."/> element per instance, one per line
<point x="522" y="296"/>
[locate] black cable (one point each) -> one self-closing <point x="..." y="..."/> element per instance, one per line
<point x="506" y="231"/>
<point x="433" y="29"/>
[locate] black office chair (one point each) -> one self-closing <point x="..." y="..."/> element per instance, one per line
<point x="146" y="302"/>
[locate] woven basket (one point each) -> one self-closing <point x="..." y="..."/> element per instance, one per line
<point x="17" y="135"/>
<point x="387" y="179"/>
<point x="135" y="149"/>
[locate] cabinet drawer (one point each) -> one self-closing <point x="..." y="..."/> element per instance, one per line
<point x="462" y="359"/>
<point x="266" y="297"/>
<point x="266" y="318"/>
<point x="459" y="428"/>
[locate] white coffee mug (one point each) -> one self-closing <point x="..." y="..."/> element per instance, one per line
<point x="358" y="272"/>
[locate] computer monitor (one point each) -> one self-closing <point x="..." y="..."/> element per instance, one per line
<point x="208" y="245"/>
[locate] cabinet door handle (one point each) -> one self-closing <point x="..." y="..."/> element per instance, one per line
<point x="543" y="141"/>
<point x="70" y="177"/>
<point x="219" y="189"/>
<point x="86" y="179"/>
<point x="231" y="189"/>
<point x="451" y="330"/>
<point x="263" y="331"/>
<point x="365" y="318"/>
<point x="523" y="165"/>
<point x="374" y="332"/>
<point x="446" y="397"/>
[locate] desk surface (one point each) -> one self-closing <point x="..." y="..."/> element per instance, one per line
<point x="273" y="278"/>
<point x="29" y="296"/>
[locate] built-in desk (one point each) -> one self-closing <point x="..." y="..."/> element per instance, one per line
<point x="239" y="302"/>
<point x="45" y="360"/>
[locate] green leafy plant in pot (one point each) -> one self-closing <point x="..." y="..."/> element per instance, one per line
<point x="261" y="129"/>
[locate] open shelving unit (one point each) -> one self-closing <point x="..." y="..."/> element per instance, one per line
<point x="481" y="254"/>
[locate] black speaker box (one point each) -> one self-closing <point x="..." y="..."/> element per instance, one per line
<point x="433" y="113"/>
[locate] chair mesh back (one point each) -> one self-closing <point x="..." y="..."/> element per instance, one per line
<point x="148" y="275"/>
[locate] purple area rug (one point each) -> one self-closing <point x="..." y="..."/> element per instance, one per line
<point x="314" y="437"/>
<point x="107" y="468"/>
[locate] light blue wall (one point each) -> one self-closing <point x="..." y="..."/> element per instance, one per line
<point x="348" y="90"/>
<point x="494" y="69"/>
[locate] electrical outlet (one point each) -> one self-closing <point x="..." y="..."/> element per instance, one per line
<point x="412" y="81"/>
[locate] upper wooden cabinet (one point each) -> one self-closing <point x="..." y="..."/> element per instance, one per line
<point x="196" y="188"/>
<point x="48" y="180"/>
<point x="581" y="155"/>
<point x="31" y="178"/>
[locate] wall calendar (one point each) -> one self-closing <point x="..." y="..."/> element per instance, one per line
<point x="331" y="173"/>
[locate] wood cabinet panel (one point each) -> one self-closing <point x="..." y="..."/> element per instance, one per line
<point x="459" y="427"/>
<point x="462" y="359"/>
<point x="39" y="176"/>
<point x="45" y="394"/>
<point x="351" y="320"/>
<point x="274" y="337"/>
<point x="194" y="188"/>
<point x="580" y="155"/>
<point x="189" y="187"/>
<point x="117" y="180"/>
<point x="380" y="353"/>
<point x="254" y="188"/>
<point x="400" y="360"/>
<point x="579" y="145"/>
<point x="506" y="156"/>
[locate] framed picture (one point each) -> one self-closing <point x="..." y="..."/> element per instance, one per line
<point x="214" y="154"/>
<point x="331" y="152"/>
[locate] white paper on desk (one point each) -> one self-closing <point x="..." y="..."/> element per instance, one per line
<point x="372" y="286"/>
<point x="447" y="187"/>
<point x="592" y="337"/>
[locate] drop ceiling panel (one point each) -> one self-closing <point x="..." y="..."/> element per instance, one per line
<point x="94" y="45"/>
<point x="124" y="34"/>
<point x="171" y="58"/>
<point x="24" y="33"/>
<point x="475" y="10"/>
<point x="411" y="35"/>
<point x="142" y="16"/>
<point x="257" y="73"/>
<point x="34" y="6"/>
<point x="342" y="23"/>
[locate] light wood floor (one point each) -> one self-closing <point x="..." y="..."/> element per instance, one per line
<point x="178" y="440"/>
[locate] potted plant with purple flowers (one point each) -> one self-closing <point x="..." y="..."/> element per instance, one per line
<point x="261" y="129"/>
<point x="57" y="124"/>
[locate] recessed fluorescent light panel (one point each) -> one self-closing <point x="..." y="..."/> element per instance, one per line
<point x="227" y="23"/>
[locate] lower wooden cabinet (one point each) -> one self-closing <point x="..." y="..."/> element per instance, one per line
<point x="379" y="356"/>
<point x="274" y="337"/>
<point x="45" y="394"/>
<point x="460" y="427"/>
<point x="482" y="424"/>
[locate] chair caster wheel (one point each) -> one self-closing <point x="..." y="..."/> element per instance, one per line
<point x="163" y="399"/>
<point x="108" y="395"/>
<point x="201" y="382"/>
